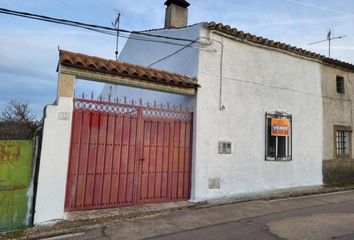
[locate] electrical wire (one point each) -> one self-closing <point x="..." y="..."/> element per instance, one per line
<point x="135" y="35"/>
<point x="141" y="38"/>
<point x="156" y="41"/>
<point x="87" y="26"/>
<point x="131" y="36"/>
<point x="112" y="31"/>
<point x="174" y="53"/>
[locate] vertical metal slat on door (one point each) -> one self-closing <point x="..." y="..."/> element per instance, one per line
<point x="125" y="154"/>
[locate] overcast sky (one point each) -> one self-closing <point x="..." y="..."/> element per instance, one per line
<point x="29" y="48"/>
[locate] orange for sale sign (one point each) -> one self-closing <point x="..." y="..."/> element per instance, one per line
<point x="280" y="127"/>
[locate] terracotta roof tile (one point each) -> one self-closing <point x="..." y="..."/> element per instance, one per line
<point x="270" y="43"/>
<point x="90" y="63"/>
<point x="267" y="42"/>
<point x="86" y="62"/>
<point x="78" y="60"/>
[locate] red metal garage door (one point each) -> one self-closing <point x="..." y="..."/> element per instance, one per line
<point x="124" y="154"/>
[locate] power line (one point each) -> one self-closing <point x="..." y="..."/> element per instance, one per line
<point x="83" y="25"/>
<point x="141" y="38"/>
<point x="131" y="36"/>
<point x="170" y="55"/>
<point x="135" y="35"/>
<point x="150" y="40"/>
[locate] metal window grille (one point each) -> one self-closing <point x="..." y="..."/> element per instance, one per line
<point x="278" y="148"/>
<point x="224" y="148"/>
<point x="340" y="84"/>
<point x="342" y="142"/>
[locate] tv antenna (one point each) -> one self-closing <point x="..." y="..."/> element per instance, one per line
<point x="116" y="26"/>
<point x="329" y="39"/>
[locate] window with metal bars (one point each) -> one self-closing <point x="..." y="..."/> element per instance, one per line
<point x="342" y="141"/>
<point x="278" y="137"/>
<point x="224" y="147"/>
<point x="340" y="84"/>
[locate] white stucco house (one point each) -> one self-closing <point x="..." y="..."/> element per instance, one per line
<point x="241" y="82"/>
<point x="259" y="120"/>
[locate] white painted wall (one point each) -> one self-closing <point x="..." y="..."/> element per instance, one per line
<point x="54" y="161"/>
<point x="255" y="81"/>
<point x="146" y="52"/>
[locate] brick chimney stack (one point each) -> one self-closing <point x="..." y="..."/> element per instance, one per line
<point x="176" y="13"/>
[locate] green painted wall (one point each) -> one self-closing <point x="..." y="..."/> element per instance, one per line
<point x="15" y="179"/>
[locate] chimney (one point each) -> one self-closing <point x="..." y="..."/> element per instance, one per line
<point x="176" y="13"/>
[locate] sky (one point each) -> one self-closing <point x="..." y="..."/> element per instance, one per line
<point x="29" y="48"/>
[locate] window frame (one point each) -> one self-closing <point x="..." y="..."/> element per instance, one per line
<point x="268" y="117"/>
<point x="340" y="81"/>
<point x="221" y="145"/>
<point x="343" y="129"/>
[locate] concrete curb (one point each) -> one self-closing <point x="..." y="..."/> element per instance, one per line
<point x="65" y="227"/>
<point x="280" y="195"/>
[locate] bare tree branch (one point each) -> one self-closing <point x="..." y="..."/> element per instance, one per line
<point x="18" y="113"/>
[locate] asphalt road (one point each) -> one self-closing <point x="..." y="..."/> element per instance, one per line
<point x="327" y="216"/>
<point x="331" y="221"/>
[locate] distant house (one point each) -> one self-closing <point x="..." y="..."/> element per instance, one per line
<point x="265" y="116"/>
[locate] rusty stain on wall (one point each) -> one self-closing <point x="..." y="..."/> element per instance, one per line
<point x="9" y="152"/>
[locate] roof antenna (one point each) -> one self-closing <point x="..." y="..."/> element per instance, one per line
<point x="329" y="39"/>
<point x="116" y="26"/>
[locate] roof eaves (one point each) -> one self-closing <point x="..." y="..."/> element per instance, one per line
<point x="234" y="32"/>
<point x="82" y="61"/>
